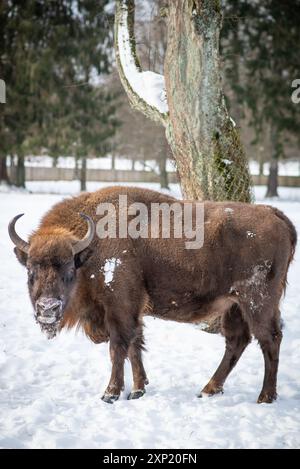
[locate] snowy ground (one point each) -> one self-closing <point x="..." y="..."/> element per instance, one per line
<point x="50" y="390"/>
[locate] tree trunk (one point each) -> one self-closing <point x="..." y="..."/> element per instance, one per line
<point x="12" y="170"/>
<point x="261" y="158"/>
<point x="76" y="169"/>
<point x="113" y="160"/>
<point x="205" y="142"/>
<point x="272" y="189"/>
<point x="3" y="170"/>
<point x="261" y="167"/>
<point x="163" y="174"/>
<point x="83" y="174"/>
<point x="20" y="171"/>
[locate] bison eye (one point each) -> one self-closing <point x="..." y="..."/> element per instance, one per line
<point x="30" y="276"/>
<point x="69" y="276"/>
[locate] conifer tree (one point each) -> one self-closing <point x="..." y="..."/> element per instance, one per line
<point x="262" y="38"/>
<point x="49" y="49"/>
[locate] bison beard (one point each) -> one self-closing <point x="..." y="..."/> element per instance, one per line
<point x="238" y="276"/>
<point x="50" y="330"/>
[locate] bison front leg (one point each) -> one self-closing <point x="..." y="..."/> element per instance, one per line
<point x="139" y="375"/>
<point x="123" y="325"/>
<point x="115" y="386"/>
<point x="123" y="329"/>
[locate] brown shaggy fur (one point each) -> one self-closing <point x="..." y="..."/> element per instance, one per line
<point x="239" y="274"/>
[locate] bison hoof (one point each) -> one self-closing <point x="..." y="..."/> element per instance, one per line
<point x="210" y="392"/>
<point x="136" y="394"/>
<point x="267" y="397"/>
<point x="110" y="398"/>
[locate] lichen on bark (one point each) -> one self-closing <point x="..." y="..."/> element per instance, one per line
<point x="231" y="171"/>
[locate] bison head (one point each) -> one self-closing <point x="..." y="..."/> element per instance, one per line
<point x="52" y="258"/>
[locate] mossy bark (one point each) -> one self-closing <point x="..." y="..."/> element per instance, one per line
<point x="205" y="142"/>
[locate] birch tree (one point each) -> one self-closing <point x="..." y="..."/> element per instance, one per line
<point x="188" y="100"/>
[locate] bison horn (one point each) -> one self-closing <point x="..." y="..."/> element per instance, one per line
<point x="86" y="241"/>
<point x="19" y="242"/>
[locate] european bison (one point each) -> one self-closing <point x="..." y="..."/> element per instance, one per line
<point x="107" y="285"/>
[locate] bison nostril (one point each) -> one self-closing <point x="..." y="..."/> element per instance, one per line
<point x="55" y="309"/>
<point x="48" y="308"/>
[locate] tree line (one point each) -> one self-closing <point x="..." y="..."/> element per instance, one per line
<point x="63" y="95"/>
<point x="51" y="57"/>
<point x="260" y="49"/>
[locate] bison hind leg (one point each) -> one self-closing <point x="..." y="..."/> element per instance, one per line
<point x="135" y="356"/>
<point x="269" y="336"/>
<point x="237" y="337"/>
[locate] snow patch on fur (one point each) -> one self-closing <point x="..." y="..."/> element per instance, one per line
<point x="109" y="269"/>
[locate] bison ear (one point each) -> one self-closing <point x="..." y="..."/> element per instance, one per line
<point x="81" y="257"/>
<point x="21" y="256"/>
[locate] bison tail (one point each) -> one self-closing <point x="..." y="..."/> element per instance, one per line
<point x="291" y="228"/>
<point x="293" y="238"/>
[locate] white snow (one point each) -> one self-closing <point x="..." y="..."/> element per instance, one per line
<point x="109" y="269"/>
<point x="285" y="168"/>
<point x="50" y="390"/>
<point x="227" y="162"/>
<point x="102" y="162"/>
<point x="150" y="86"/>
<point x="233" y="122"/>
<point x="250" y="234"/>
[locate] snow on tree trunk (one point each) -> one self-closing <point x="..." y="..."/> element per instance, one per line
<point x="145" y="90"/>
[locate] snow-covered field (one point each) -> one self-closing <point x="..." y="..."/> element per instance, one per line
<point x="50" y="390"/>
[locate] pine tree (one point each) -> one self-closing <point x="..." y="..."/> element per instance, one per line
<point x="47" y="50"/>
<point x="261" y="39"/>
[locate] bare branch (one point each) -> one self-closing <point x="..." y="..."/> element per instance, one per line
<point x="145" y="90"/>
